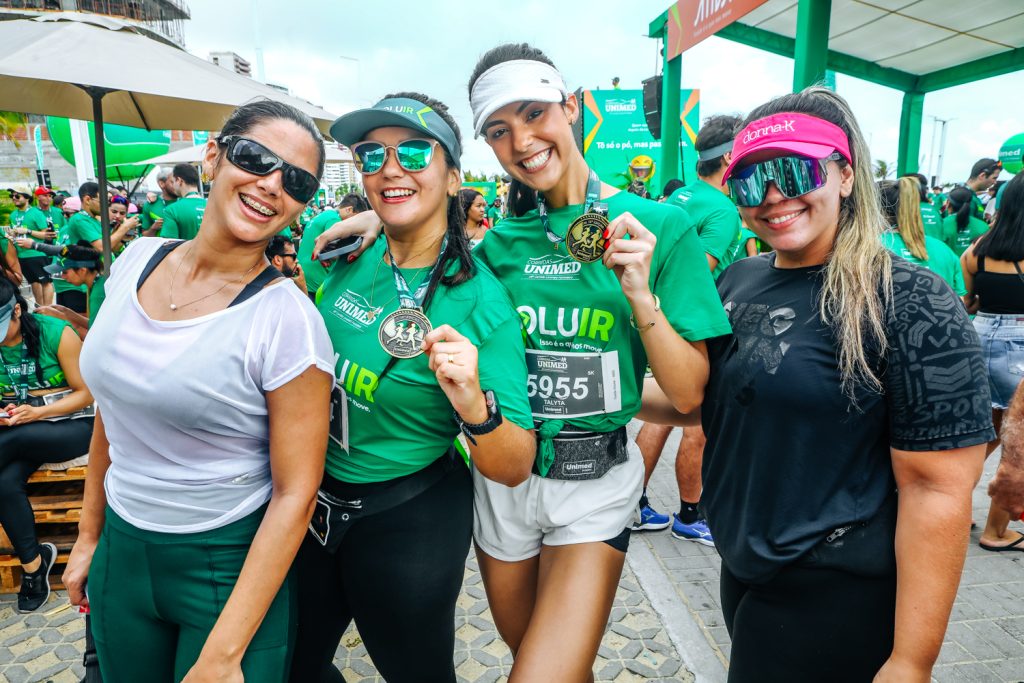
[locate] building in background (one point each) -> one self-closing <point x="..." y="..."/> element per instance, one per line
<point x="232" y="62"/>
<point x="163" y="18"/>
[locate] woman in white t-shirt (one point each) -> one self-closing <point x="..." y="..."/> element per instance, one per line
<point x="212" y="377"/>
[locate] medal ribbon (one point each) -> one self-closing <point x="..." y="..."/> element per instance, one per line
<point x="407" y="299"/>
<point x="593" y="194"/>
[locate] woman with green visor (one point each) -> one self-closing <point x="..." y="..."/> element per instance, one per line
<point x="605" y="282"/>
<point x="427" y="344"/>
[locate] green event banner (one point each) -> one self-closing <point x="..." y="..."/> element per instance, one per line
<point x="620" y="148"/>
<point x="488" y="189"/>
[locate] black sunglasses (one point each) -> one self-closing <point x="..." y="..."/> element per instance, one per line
<point x="252" y="157"/>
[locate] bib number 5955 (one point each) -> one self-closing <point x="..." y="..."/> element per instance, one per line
<point x="566" y="384"/>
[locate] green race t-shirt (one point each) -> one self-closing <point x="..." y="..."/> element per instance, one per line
<point x="12" y="357"/>
<point x="740" y="251"/>
<point x="574" y="307"/>
<point x="153" y="211"/>
<point x="82" y="226"/>
<point x="56" y="216"/>
<point x="716" y="218"/>
<point x="493" y="215"/>
<point x="33" y="219"/>
<point x="400" y="424"/>
<point x="97" y="295"/>
<point x="183" y="218"/>
<point x="999" y="196"/>
<point x="314" y="270"/>
<point x="941" y="259"/>
<point x="932" y="220"/>
<point x="958" y="240"/>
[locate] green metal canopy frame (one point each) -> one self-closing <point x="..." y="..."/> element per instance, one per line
<point x="811" y="57"/>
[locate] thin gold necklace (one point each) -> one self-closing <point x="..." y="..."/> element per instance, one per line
<point x="170" y="289"/>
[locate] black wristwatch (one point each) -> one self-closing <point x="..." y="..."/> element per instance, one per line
<point x="492" y="422"/>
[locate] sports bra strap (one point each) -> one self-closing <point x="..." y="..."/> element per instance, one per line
<point x="158" y="256"/>
<point x="266" y="276"/>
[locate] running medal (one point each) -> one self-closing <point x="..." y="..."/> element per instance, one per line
<point x="585" y="239"/>
<point x="401" y="333"/>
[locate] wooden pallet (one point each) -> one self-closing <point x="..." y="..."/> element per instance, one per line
<point x="10" y="573"/>
<point x="71" y="474"/>
<point x="56" y="498"/>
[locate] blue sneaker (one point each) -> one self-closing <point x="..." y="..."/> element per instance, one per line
<point x="698" y="531"/>
<point x="650" y="520"/>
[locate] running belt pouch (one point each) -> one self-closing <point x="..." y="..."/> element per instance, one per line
<point x="587" y="456"/>
<point x="333" y="516"/>
<point x="865" y="549"/>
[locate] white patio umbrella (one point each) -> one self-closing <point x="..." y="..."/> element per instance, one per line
<point x="89" y="67"/>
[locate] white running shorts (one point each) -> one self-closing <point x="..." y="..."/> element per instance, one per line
<point x="511" y="524"/>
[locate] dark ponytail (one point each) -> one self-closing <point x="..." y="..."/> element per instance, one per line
<point x="961" y="200"/>
<point x="31" y="333"/>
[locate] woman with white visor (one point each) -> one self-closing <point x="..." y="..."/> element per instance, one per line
<point x="605" y="283"/>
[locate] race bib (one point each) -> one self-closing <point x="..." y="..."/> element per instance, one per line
<point x="339" y="417"/>
<point x="564" y="385"/>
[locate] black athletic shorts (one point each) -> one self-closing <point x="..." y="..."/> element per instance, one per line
<point x="32" y="268"/>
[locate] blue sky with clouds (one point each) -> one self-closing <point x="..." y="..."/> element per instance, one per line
<point x="343" y="54"/>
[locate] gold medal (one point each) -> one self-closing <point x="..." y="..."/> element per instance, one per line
<point x="401" y="333"/>
<point x="585" y="240"/>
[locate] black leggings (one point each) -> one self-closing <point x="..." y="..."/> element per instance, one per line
<point x="809" y="624"/>
<point x="23" y="448"/>
<point x="74" y="299"/>
<point x="397" y="574"/>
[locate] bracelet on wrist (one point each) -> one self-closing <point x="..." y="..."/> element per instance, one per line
<point x="643" y="328"/>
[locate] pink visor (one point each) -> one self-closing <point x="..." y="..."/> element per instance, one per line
<point x="807" y="136"/>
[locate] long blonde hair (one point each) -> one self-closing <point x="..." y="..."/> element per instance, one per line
<point x="901" y="206"/>
<point x="856" y="295"/>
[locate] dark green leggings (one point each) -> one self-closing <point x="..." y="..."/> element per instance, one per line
<point x="155" y="598"/>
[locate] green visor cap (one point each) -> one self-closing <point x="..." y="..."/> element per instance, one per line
<point x="65" y="264"/>
<point x="397" y="111"/>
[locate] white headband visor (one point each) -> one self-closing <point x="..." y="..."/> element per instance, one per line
<point x="519" y="80"/>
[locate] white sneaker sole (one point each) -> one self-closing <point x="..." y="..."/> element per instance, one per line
<point x="702" y="541"/>
<point x="651" y="526"/>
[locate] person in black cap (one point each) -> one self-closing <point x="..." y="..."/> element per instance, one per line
<point x="39" y="382"/>
<point x="426" y="345"/>
<point x="79" y="265"/>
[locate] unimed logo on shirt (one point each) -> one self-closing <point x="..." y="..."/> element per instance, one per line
<point x="354" y="309"/>
<point x="552" y="267"/>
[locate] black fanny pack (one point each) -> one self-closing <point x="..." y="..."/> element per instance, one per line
<point x="339" y="505"/>
<point x="580" y="456"/>
<point x="866" y="548"/>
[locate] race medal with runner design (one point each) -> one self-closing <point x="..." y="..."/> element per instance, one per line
<point x="401" y="333"/>
<point x="585" y="240"/>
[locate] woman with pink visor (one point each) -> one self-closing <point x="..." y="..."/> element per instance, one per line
<point x="846" y="418"/>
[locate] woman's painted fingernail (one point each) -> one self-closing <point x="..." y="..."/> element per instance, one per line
<point x="351" y="258"/>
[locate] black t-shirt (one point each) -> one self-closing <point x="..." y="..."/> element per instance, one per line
<point x="788" y="458"/>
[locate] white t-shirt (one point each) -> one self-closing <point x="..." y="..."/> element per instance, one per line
<point x="183" y="402"/>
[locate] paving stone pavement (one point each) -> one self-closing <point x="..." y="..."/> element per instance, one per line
<point x="984" y="642"/>
<point x="47" y="645"/>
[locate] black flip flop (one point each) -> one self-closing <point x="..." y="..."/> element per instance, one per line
<point x="1016" y="546"/>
